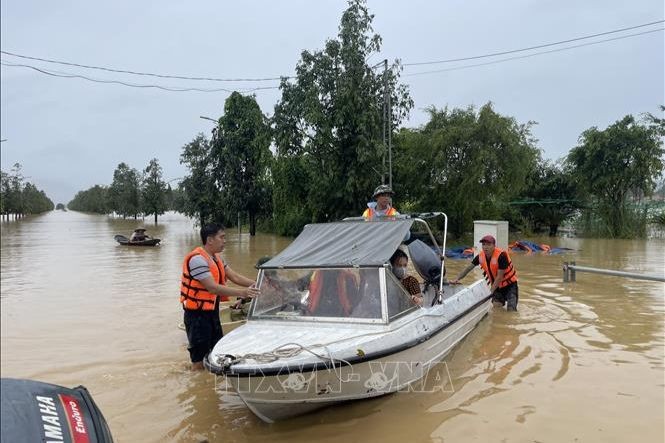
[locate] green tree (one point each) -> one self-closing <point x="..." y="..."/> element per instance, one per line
<point x="95" y="199"/>
<point x="177" y="199"/>
<point x="12" y="187"/>
<point x="4" y="193"/>
<point x="170" y="198"/>
<point x="19" y="198"/>
<point x="241" y="158"/>
<point x="612" y="164"/>
<point x="35" y="201"/>
<point x="154" y="190"/>
<point x="124" y="192"/>
<point x="469" y="164"/>
<point x="198" y="193"/>
<point x="551" y="197"/>
<point x="329" y="129"/>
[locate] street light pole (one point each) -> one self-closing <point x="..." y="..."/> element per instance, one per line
<point x="208" y="118"/>
<point x="214" y="130"/>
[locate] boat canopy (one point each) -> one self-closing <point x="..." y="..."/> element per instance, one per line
<point x="343" y="244"/>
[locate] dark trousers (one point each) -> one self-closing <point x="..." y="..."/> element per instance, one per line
<point x="204" y="330"/>
<point x="507" y="295"/>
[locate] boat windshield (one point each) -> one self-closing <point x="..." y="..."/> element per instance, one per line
<point x="347" y="293"/>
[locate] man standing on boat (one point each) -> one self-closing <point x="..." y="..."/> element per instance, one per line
<point x="382" y="207"/>
<point x="499" y="273"/>
<point x="203" y="284"/>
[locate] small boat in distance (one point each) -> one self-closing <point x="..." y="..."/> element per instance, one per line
<point x="138" y="238"/>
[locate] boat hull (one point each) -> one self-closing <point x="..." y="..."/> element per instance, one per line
<point x="126" y="242"/>
<point x="278" y="396"/>
<point x="230" y="318"/>
<point x="151" y="242"/>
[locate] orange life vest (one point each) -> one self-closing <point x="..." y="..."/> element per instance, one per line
<point x="316" y="289"/>
<point x="369" y="213"/>
<point x="193" y="295"/>
<point x="509" y="276"/>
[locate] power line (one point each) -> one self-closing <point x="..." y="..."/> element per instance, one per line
<point x="512" y="51"/>
<point x="148" y="74"/>
<point x="245" y="91"/>
<point x="214" y="79"/>
<point x="131" y="85"/>
<point x="55" y="73"/>
<point x="457" y="68"/>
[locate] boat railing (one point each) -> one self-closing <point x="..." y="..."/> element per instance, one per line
<point x="421" y="218"/>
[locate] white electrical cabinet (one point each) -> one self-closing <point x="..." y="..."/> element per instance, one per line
<point x="496" y="228"/>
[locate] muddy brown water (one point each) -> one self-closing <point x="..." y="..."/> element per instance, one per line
<point x="579" y="362"/>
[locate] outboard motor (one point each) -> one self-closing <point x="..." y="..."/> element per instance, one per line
<point x="36" y="411"/>
<point x="426" y="262"/>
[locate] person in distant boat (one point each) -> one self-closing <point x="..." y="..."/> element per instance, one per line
<point x="499" y="273"/>
<point x="399" y="261"/>
<point x="382" y="206"/>
<point x="139" y="235"/>
<point x="202" y="286"/>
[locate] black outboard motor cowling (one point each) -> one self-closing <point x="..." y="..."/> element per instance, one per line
<point x="426" y="261"/>
<point x="33" y="411"/>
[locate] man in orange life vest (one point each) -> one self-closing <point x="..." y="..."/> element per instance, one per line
<point x="203" y="284"/>
<point x="499" y="273"/>
<point x="383" y="205"/>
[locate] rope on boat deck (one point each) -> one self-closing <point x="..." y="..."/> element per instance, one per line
<point x="287" y="350"/>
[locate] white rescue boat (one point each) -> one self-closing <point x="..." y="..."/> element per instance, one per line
<point x="334" y="324"/>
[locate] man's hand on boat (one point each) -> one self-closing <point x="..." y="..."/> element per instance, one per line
<point x="248" y="294"/>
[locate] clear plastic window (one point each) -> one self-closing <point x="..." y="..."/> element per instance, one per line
<point x="399" y="300"/>
<point x="331" y="293"/>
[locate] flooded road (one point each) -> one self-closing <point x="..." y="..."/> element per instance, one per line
<point x="579" y="362"/>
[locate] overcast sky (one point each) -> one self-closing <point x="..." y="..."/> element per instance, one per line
<point x="70" y="134"/>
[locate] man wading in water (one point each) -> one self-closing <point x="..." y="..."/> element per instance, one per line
<point x="499" y="273"/>
<point x="203" y="284"/>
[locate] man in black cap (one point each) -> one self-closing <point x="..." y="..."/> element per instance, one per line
<point x="499" y="273"/>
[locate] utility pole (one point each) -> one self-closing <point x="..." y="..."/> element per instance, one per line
<point x="389" y="118"/>
<point x="385" y="107"/>
<point x="387" y="128"/>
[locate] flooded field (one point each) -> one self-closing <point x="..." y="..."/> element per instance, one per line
<point x="579" y="362"/>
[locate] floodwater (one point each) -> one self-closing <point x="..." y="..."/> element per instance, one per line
<point x="579" y="362"/>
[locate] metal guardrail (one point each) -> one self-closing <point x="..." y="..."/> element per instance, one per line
<point x="570" y="272"/>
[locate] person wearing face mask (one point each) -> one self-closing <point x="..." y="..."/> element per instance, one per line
<point x="399" y="262"/>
